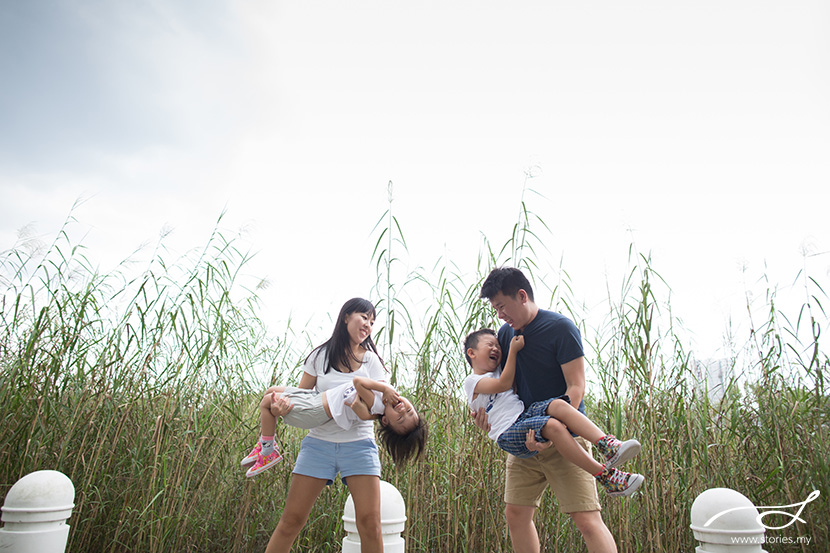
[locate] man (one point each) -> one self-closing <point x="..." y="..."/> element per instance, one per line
<point x="550" y="365"/>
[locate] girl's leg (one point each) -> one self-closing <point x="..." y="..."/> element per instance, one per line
<point x="561" y="438"/>
<point x="267" y="421"/>
<point x="302" y="494"/>
<point x="574" y="420"/>
<point x="268" y="427"/>
<point x="365" y="492"/>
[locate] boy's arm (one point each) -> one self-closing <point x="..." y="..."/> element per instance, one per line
<point x="505" y="381"/>
<point x="366" y="388"/>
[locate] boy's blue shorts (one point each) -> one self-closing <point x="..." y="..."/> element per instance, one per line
<point x="322" y="459"/>
<point x="534" y="418"/>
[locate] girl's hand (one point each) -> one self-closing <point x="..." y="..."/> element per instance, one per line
<point x="391" y="396"/>
<point x="280" y="405"/>
<point x="533" y="445"/>
<point x="517" y="343"/>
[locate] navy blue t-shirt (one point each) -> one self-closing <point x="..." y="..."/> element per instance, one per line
<point x="551" y="340"/>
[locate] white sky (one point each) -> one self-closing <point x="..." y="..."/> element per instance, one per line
<point x="698" y="130"/>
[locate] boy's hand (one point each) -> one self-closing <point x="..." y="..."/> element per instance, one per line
<point x="533" y="445"/>
<point x="280" y="406"/>
<point x="481" y="418"/>
<point x="517" y="343"/>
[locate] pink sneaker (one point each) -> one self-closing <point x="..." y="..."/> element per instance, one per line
<point x="264" y="463"/>
<point x="251" y="458"/>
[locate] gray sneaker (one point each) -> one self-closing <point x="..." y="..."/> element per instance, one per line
<point x="616" y="452"/>
<point x="619" y="483"/>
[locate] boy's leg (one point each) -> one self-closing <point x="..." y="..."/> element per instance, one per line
<point x="614" y="451"/>
<point x="575" y="421"/>
<point x="562" y="440"/>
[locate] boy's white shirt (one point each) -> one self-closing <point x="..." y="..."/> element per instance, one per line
<point x="331" y="431"/>
<point x="502" y="409"/>
<point x="341" y="397"/>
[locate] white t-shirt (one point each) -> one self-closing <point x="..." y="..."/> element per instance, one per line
<point x="502" y="409"/>
<point x="341" y="397"/>
<point x="331" y="431"/>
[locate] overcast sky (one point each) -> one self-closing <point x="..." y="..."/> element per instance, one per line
<point x="700" y="131"/>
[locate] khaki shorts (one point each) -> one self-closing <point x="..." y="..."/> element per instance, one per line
<point x="526" y="480"/>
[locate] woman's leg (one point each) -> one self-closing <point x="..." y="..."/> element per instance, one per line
<point x="558" y="433"/>
<point x="574" y="420"/>
<point x="302" y="494"/>
<point x="365" y="492"/>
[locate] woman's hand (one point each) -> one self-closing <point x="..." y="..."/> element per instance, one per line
<point x="533" y="445"/>
<point x="280" y="405"/>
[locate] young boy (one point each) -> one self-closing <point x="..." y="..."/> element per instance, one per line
<point x="524" y="433"/>
<point x="403" y="431"/>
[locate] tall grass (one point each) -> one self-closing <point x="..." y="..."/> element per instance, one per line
<point x="143" y="390"/>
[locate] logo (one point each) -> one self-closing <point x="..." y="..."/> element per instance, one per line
<point x="776" y="511"/>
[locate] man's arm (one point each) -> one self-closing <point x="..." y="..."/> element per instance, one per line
<point x="574" y="372"/>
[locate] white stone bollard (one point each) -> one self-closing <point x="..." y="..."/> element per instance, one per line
<point x="35" y="513"/>
<point x="392" y="519"/>
<point x="726" y="521"/>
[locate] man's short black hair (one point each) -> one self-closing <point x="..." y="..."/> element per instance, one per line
<point x="508" y="281"/>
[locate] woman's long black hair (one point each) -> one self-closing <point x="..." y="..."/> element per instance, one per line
<point x="339" y="354"/>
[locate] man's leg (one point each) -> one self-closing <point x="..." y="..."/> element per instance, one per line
<point x="596" y="534"/>
<point x="524" y="485"/>
<point x="523" y="534"/>
<point x="576" y="493"/>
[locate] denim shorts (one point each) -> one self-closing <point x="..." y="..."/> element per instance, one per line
<point x="322" y="459"/>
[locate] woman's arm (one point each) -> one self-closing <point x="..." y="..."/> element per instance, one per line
<point x="307" y="381"/>
<point x="505" y="381"/>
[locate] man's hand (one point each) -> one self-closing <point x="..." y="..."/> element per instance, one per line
<point x="533" y="445"/>
<point x="280" y="406"/>
<point x="481" y="418"/>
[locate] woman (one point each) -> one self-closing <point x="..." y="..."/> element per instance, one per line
<point x="328" y="449"/>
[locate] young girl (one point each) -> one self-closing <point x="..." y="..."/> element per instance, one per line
<point x="328" y="449"/>
<point x="516" y="429"/>
<point x="403" y="431"/>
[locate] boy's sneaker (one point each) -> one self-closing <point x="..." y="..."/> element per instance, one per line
<point x="251" y="458"/>
<point x="264" y="463"/>
<point x="617" y="482"/>
<point x="616" y="452"/>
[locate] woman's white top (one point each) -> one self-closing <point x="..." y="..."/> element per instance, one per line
<point x="331" y="431"/>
